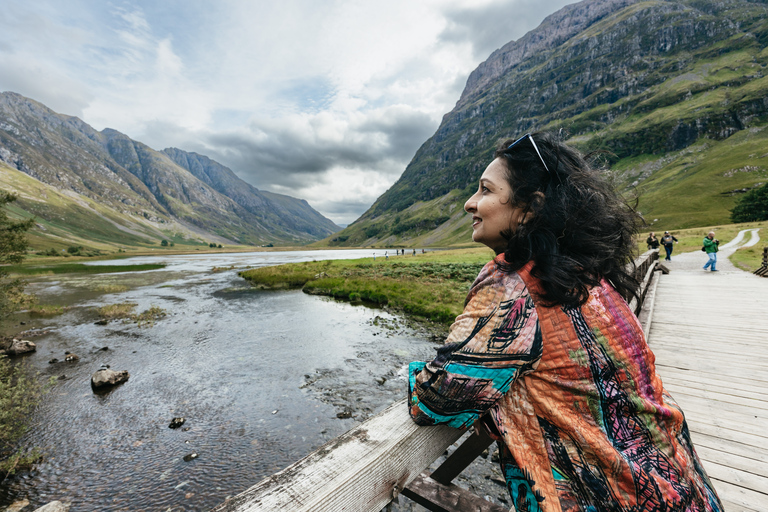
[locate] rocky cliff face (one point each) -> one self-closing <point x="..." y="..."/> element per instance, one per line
<point x="131" y="178"/>
<point x="632" y="78"/>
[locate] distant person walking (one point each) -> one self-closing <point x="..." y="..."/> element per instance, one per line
<point x="667" y="240"/>
<point x="652" y="241"/>
<point x="711" y="246"/>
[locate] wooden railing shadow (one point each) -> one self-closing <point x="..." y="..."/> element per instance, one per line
<point x="367" y="467"/>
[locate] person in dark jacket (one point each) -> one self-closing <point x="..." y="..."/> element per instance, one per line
<point x="652" y="241"/>
<point x="667" y="240"/>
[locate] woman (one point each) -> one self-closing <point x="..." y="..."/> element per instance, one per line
<point x="547" y="356"/>
<point x="652" y="241"/>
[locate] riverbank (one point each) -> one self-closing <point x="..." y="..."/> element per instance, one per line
<point x="430" y="286"/>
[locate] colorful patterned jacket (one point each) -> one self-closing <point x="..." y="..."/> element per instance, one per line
<point x="572" y="396"/>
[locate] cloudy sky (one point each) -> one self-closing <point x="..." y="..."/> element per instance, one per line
<point x="322" y="100"/>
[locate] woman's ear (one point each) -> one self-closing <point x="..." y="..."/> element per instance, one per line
<point x="537" y="201"/>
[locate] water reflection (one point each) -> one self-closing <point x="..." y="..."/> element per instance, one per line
<point x="259" y="376"/>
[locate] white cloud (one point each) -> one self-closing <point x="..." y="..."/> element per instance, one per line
<point x="325" y="101"/>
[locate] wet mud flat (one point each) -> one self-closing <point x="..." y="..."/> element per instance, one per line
<point x="261" y="377"/>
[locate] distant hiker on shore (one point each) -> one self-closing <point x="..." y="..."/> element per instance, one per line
<point x="711" y="246"/>
<point x="547" y="357"/>
<point x="667" y="240"/>
<point x="652" y="241"/>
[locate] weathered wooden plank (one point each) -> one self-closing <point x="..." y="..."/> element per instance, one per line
<point x="748" y="481"/>
<point x="699" y="425"/>
<point x="681" y="360"/>
<point x="359" y="471"/>
<point x="737" y="378"/>
<point x="728" y="401"/>
<point x="728" y="421"/>
<point x="737" y="463"/>
<point x="749" y="452"/>
<point x="739" y="498"/>
<point x="706" y="382"/>
<point x="439" y="497"/>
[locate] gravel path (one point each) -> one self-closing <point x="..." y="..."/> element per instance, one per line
<point x="694" y="261"/>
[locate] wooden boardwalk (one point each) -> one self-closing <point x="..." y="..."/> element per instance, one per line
<point x="709" y="331"/>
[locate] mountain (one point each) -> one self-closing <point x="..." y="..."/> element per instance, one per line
<point x="673" y="92"/>
<point x="109" y="188"/>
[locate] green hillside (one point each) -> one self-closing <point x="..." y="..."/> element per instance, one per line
<point x="65" y="219"/>
<point x="672" y="93"/>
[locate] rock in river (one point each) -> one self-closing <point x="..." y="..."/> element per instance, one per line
<point x="177" y="422"/>
<point x="106" y="377"/>
<point x="19" y="347"/>
<point x="54" y="506"/>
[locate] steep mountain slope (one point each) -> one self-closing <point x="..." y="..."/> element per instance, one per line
<point x="663" y="86"/>
<point x="279" y="210"/>
<point x="171" y="193"/>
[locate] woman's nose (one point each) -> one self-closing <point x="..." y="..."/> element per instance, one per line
<point x="470" y="205"/>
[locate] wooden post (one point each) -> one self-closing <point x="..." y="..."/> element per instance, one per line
<point x="763" y="270"/>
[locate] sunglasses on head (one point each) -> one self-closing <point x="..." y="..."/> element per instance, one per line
<point x="528" y="136"/>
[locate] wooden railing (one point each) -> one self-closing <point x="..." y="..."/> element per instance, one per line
<point x="763" y="270"/>
<point x="368" y="466"/>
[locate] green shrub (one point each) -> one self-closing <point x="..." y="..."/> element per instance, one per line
<point x="752" y="207"/>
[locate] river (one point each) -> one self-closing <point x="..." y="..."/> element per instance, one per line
<point x="261" y="377"/>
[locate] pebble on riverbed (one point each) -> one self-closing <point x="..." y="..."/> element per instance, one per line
<point x="177" y="422"/>
<point x="190" y="457"/>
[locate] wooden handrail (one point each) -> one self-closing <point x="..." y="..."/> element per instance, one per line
<point x="361" y="470"/>
<point x="368" y="466"/>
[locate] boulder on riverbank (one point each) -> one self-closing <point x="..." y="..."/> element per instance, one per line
<point x="19" y="347"/>
<point x="107" y="378"/>
<point x="54" y="506"/>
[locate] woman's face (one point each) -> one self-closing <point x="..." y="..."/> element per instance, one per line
<point x="491" y="207"/>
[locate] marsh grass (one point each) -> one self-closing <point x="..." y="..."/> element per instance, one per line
<point x="46" y="309"/>
<point x="77" y="268"/>
<point x="125" y="312"/>
<point x="149" y="316"/>
<point x="110" y="288"/>
<point x="432" y="286"/>
<point x="116" y="311"/>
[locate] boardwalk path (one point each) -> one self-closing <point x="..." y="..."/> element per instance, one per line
<point x="709" y="332"/>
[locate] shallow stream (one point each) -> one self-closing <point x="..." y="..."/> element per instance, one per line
<point x="261" y="377"/>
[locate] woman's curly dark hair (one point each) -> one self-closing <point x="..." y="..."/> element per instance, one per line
<point x="580" y="230"/>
